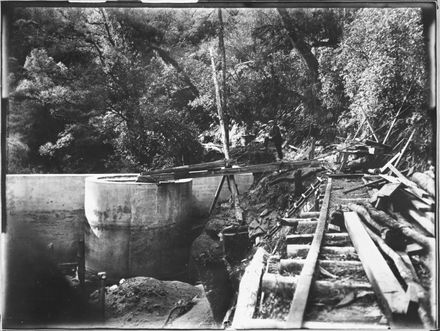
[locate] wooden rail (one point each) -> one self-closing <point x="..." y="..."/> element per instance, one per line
<point x="219" y="170"/>
<point x="301" y="295"/>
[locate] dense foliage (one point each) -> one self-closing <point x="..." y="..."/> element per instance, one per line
<point x="111" y="90"/>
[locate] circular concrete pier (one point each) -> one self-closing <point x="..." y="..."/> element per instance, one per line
<point x="137" y="229"/>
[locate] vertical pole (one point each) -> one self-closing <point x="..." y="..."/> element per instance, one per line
<point x="221" y="45"/>
<point x="396" y="116"/>
<point x="233" y="186"/>
<point x="404" y="149"/>
<point x="81" y="263"/>
<point x="219" y="107"/>
<point x="102" y="277"/>
<point x="217" y="193"/>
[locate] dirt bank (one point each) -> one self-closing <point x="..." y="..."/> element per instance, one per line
<point x="145" y="302"/>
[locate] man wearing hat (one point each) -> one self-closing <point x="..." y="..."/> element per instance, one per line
<point x="275" y="136"/>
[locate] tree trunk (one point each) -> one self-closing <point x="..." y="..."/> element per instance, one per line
<point x="221" y="46"/>
<point x="304" y="50"/>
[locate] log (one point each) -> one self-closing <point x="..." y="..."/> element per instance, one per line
<point x="330" y="239"/>
<point x="415" y="292"/>
<point x="309" y="214"/>
<point x="321" y="288"/>
<point x="302" y="250"/>
<point x="425" y="182"/>
<point x="276" y="283"/>
<point x="334" y="266"/>
<point x="410" y="232"/>
<point x="392" y="236"/>
<point x="249" y="288"/>
<point x="385" y="284"/>
<point x="288" y="222"/>
<point x="306" y="227"/>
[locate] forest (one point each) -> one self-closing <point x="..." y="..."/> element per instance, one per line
<point x="98" y="90"/>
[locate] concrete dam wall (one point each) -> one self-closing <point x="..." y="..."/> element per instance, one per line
<point x="130" y="229"/>
<point x="137" y="228"/>
<point x="46" y="210"/>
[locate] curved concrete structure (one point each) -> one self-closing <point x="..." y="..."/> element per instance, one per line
<point x="136" y="229"/>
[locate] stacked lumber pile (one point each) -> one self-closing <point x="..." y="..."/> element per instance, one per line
<point x="400" y="220"/>
<point x="365" y="155"/>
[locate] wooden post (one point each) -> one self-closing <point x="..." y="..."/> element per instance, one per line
<point x="217" y="194"/>
<point x="404" y="149"/>
<point x="233" y="187"/>
<point x="312" y="149"/>
<point x="219" y="107"/>
<point x="102" y="277"/>
<point x="397" y="115"/>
